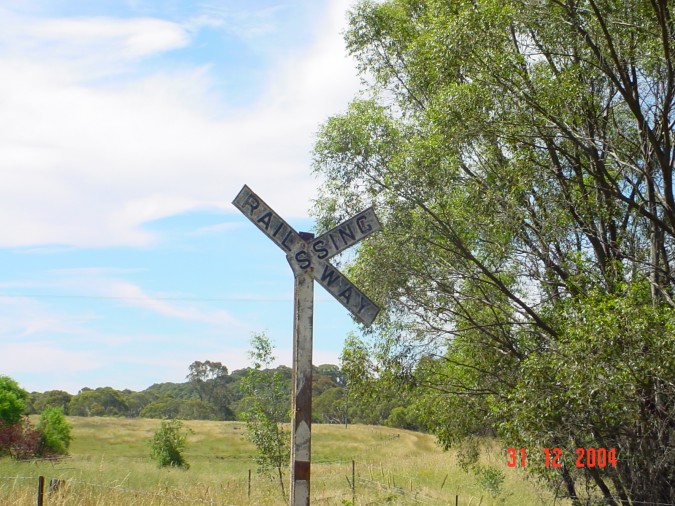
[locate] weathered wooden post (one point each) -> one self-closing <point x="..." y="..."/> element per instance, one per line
<point x="303" y="326"/>
<point x="40" y="491"/>
<point x="308" y="257"/>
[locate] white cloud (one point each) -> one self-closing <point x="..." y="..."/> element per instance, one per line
<point x="133" y="295"/>
<point x="128" y="38"/>
<point x="87" y="162"/>
<point x="218" y="228"/>
<point x="103" y="282"/>
<point x="245" y="23"/>
<point x="24" y="318"/>
<point x="46" y="346"/>
<point x="45" y="358"/>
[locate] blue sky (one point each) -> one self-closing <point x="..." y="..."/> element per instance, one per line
<point x="126" y="129"/>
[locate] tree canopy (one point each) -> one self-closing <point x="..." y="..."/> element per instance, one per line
<point x="520" y="155"/>
<point x="12" y="400"/>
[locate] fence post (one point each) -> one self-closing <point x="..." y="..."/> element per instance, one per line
<point x="249" y="484"/>
<point x="40" y="490"/>
<point x="54" y="485"/>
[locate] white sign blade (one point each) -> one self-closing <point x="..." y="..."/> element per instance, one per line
<point x="345" y="235"/>
<point x="363" y="309"/>
<point x="264" y="217"/>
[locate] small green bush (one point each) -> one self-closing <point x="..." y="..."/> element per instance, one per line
<point x="55" y="430"/>
<point x="168" y="444"/>
<point x="490" y="479"/>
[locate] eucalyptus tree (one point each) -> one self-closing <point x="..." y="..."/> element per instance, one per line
<point x="210" y="381"/>
<point x="520" y="154"/>
<point x="266" y="397"/>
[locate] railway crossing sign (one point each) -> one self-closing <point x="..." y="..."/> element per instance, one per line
<point x="312" y="255"/>
<point x="308" y="257"/>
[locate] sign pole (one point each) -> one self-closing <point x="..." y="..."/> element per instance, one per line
<point x="302" y="382"/>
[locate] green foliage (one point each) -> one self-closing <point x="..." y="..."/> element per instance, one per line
<point x="103" y="401"/>
<point x="164" y="407"/>
<point x="519" y="153"/>
<point x="184" y="409"/>
<point x="490" y="479"/>
<point x="169" y="443"/>
<point x="266" y="394"/>
<point x="137" y="401"/>
<point x="176" y="390"/>
<point x="329" y="407"/>
<point x="12" y="400"/>
<point x="601" y="382"/>
<point x="468" y="454"/>
<point x="210" y="380"/>
<point x="18" y="437"/>
<point x="55" y="430"/>
<point x="50" y="399"/>
<point x="332" y="372"/>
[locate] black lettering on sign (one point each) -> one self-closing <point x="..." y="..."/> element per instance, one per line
<point x="333" y="241"/>
<point x="349" y="233"/>
<point x="364" y="303"/>
<point x="363" y="226"/>
<point x="346" y="294"/>
<point x="266" y="219"/>
<point x="329" y="274"/>
<point x="252" y="202"/>
<point x="320" y="249"/>
<point x="302" y="257"/>
<point x="276" y="231"/>
<point x="283" y="243"/>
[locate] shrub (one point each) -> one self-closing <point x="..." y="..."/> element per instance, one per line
<point x="55" y="430"/>
<point x="21" y="441"/>
<point x="168" y="444"/>
<point x="9" y="434"/>
<point x="29" y="444"/>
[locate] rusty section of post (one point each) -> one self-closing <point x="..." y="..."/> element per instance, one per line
<point x="303" y="323"/>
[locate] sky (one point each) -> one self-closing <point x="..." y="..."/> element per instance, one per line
<point x="126" y="129"/>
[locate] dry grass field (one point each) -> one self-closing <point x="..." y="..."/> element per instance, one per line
<point x="110" y="465"/>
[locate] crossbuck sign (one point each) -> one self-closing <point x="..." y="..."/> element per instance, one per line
<point x="308" y="257"/>
<point x="312" y="255"/>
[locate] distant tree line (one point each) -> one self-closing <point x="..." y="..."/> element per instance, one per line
<point x="211" y="392"/>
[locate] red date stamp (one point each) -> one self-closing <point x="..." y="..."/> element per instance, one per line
<point x="553" y="457"/>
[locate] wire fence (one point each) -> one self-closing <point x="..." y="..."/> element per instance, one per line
<point x="367" y="486"/>
<point x="364" y="484"/>
<point x="60" y="489"/>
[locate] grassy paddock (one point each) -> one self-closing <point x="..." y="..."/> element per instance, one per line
<point x="110" y="465"/>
